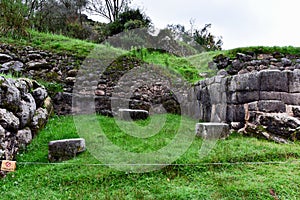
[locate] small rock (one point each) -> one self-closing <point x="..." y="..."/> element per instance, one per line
<point x="34" y="56"/>
<point x="5" y="58"/>
<point x="99" y="92"/>
<point x="286" y="62"/>
<point x="41" y="64"/>
<point x="222" y="72"/>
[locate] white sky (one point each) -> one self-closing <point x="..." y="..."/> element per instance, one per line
<point x="240" y="22"/>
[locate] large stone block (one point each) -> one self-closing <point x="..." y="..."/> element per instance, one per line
<point x="265" y="95"/>
<point x="271" y="106"/>
<point x="218" y="113"/>
<point x="212" y="130"/>
<point x="61" y="150"/>
<point x="246" y="97"/>
<point x="291" y="99"/>
<point x="245" y="82"/>
<point x="294" y="81"/>
<point x="274" y="80"/>
<point x="235" y="113"/>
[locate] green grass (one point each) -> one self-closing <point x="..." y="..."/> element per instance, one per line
<point x="169" y="61"/>
<point x="76" y="179"/>
<point x="54" y="43"/>
<point x="287" y="50"/>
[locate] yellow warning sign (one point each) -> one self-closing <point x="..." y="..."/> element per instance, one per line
<point x="9" y="166"/>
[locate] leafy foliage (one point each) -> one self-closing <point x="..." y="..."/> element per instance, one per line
<point x="13" y="20"/>
<point x="129" y="19"/>
<point x="200" y="39"/>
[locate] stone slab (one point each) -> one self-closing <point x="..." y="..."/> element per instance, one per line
<point x="212" y="130"/>
<point x="131" y="114"/>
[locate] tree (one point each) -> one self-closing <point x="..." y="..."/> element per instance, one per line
<point x="204" y="38"/>
<point x="129" y="19"/>
<point x="108" y="9"/>
<point x="199" y="39"/>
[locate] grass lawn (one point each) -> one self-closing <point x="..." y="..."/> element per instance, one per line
<point x="189" y="177"/>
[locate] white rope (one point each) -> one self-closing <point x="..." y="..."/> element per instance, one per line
<point x="147" y="164"/>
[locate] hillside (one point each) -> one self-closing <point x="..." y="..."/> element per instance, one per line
<point x="237" y="167"/>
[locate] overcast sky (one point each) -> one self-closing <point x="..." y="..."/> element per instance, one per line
<point x="239" y="22"/>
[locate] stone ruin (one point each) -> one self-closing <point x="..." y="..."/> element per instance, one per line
<point x="24" y="110"/>
<point x="255" y="94"/>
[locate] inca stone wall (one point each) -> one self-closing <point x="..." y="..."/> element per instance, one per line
<point x="269" y="98"/>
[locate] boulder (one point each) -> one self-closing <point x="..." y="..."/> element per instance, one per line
<point x="278" y="127"/>
<point x="61" y="150"/>
<point x="24" y="136"/>
<point x="8" y="120"/>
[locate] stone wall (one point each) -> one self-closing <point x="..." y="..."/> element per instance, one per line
<point x="251" y="92"/>
<point x="24" y="110"/>
<point x="265" y="102"/>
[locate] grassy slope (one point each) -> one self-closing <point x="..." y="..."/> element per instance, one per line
<point x="197" y="181"/>
<point x="76" y="180"/>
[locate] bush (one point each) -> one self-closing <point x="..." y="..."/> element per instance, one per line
<point x="13" y="21"/>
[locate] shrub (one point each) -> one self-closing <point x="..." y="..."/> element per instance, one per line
<point x="14" y="20"/>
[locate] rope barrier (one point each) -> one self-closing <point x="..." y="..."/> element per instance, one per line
<point x="192" y="164"/>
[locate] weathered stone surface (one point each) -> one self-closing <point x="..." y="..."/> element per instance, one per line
<point x="245" y="82"/>
<point x="12" y="66"/>
<point x="130" y="114"/>
<point x="274" y="80"/>
<point x="235" y="113"/>
<point x="39" y="120"/>
<point x="20" y="117"/>
<point x="39" y="95"/>
<point x="24" y="136"/>
<point x="212" y="130"/>
<point x="26" y="112"/>
<point x="281" y="125"/>
<point x="5" y="58"/>
<point x="294" y="81"/>
<point x="41" y="64"/>
<point x="271" y="106"/>
<point x="61" y="150"/>
<point x="296" y="111"/>
<point x="291" y="98"/>
<point x="10" y="95"/>
<point x="8" y="120"/>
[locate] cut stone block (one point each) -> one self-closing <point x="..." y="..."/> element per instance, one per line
<point x="60" y="150"/>
<point x="212" y="130"/>
<point x="130" y="114"/>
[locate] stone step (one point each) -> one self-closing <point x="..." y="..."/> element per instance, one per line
<point x="212" y="130"/>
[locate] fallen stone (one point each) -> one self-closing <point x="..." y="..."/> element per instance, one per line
<point x="212" y="130"/>
<point x="130" y="114"/>
<point x="61" y="150"/>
